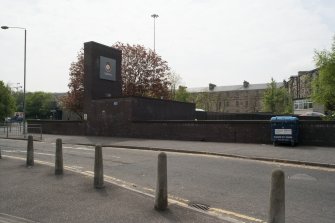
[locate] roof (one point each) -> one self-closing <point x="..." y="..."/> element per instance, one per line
<point x="233" y="88"/>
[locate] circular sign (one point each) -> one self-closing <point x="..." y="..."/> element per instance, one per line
<point x="108" y="68"/>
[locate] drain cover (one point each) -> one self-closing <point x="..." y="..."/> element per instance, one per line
<point x="203" y="207"/>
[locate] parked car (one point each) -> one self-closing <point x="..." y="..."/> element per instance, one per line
<point x="314" y="114"/>
<point x="14" y="119"/>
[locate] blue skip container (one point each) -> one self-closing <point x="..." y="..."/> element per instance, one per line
<point x="284" y="129"/>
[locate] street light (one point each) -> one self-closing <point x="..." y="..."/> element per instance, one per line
<point x="154" y="16"/>
<point x="24" y="80"/>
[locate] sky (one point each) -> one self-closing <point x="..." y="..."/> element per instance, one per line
<point x="204" y="41"/>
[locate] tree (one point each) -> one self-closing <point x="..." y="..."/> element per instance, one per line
<point x="18" y="97"/>
<point x="323" y="86"/>
<point x="7" y="102"/>
<point x="144" y="73"/>
<point x="175" y="81"/>
<point x="73" y="101"/>
<point x="39" y="104"/>
<point x="182" y="94"/>
<point x="277" y="99"/>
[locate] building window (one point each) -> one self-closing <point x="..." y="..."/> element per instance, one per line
<point x="302" y="104"/>
<point x="237" y="103"/>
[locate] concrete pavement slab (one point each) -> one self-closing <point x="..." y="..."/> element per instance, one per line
<point x="37" y="195"/>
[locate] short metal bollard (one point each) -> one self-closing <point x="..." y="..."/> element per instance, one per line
<point x="30" y="151"/>
<point x="161" y="198"/>
<point x="277" y="198"/>
<point x="59" y="157"/>
<point x="98" y="168"/>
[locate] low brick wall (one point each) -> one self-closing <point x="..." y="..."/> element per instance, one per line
<point x="317" y="133"/>
<point x="61" y="127"/>
<point x="321" y="133"/>
<point x="215" y="131"/>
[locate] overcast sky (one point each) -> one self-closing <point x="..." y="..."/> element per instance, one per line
<point x="204" y="41"/>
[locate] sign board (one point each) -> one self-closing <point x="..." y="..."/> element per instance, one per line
<point x="283" y="131"/>
<point x="107" y="68"/>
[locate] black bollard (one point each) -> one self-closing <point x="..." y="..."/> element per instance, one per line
<point x="98" y="168"/>
<point x="161" y="199"/>
<point x="30" y="151"/>
<point x="277" y="198"/>
<point x="59" y="158"/>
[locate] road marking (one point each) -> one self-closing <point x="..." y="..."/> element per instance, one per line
<point x="67" y="147"/>
<point x="45" y="154"/>
<point x="14" y="151"/>
<point x="302" y="176"/>
<point x="22" y="151"/>
<point x="82" y="148"/>
<point x="7" y="218"/>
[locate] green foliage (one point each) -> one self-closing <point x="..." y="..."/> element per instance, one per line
<point x="323" y="86"/>
<point x="39" y="104"/>
<point x="330" y="116"/>
<point x="18" y="97"/>
<point x="277" y="99"/>
<point x="7" y="102"/>
<point x="207" y="101"/>
<point x="181" y="94"/>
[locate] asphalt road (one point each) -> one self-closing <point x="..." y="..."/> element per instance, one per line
<point x="238" y="186"/>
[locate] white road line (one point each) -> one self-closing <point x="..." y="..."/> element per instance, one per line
<point x="6" y="218"/>
<point x="45" y="154"/>
<point x="22" y="151"/>
<point x="82" y="148"/>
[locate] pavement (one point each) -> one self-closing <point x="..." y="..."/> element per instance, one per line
<point x="36" y="195"/>
<point x="303" y="155"/>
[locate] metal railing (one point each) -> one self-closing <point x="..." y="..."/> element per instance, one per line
<point x="15" y="130"/>
<point x="35" y="129"/>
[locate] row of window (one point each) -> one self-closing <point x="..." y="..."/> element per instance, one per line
<point x="237" y="103"/>
<point x="302" y="104"/>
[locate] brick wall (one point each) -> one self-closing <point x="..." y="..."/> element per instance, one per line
<point x="321" y="133"/>
<point x="61" y="127"/>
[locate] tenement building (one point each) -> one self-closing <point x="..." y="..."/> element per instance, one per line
<point x="300" y="88"/>
<point x="245" y="98"/>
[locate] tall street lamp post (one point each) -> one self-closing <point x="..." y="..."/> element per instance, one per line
<point x="154" y="16"/>
<point x="24" y="80"/>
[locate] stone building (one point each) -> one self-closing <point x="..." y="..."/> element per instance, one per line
<point x="300" y="88"/>
<point x="245" y="98"/>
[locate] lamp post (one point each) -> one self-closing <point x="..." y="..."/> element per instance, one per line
<point x="154" y="16"/>
<point x="24" y="80"/>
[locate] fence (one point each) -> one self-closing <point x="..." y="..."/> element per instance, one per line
<point x="16" y="130"/>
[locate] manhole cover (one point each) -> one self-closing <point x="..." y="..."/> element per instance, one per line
<point x="203" y="207"/>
